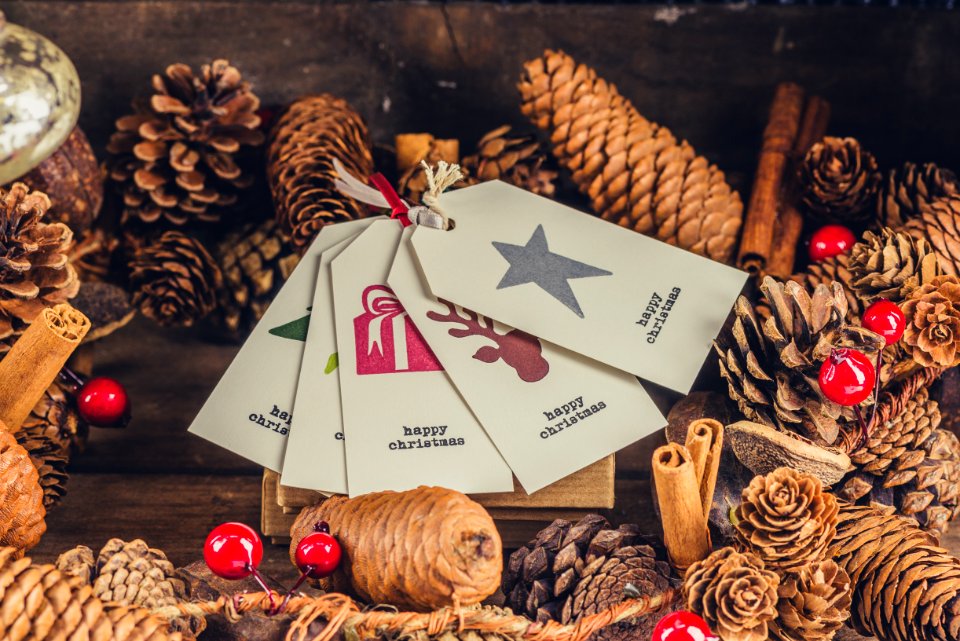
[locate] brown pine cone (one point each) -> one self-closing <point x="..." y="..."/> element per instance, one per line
<point x="182" y="157"/>
<point x="836" y="268"/>
<point x="635" y="172"/>
<point x="34" y="270"/>
<point x="787" y="519"/>
<point x="932" y="335"/>
<point x="513" y="158"/>
<point x="78" y="562"/>
<point x="255" y="261"/>
<point x="308" y="136"/>
<point x="21" y="498"/>
<point x="734" y="594"/>
<point x="906" y="190"/>
<point x="890" y="265"/>
<point x="92" y="254"/>
<point x="939" y="224"/>
<point x="813" y="603"/>
<point x="174" y="280"/>
<point x="839" y="180"/>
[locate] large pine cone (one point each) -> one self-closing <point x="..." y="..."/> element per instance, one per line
<point x="572" y="570"/>
<point x="787" y="519"/>
<point x="814" y="603"/>
<point x="34" y="270"/>
<point x="932" y="335"/>
<point x="836" y="268"/>
<point x="839" y="180"/>
<point x="308" y="136"/>
<point x="734" y="594"/>
<point x="255" y="262"/>
<point x="634" y="171"/>
<point x="181" y="158"/>
<point x="890" y="265"/>
<point x="513" y="158"/>
<point x="910" y="463"/>
<point x="174" y="280"/>
<point x="771" y="368"/>
<point x="906" y="190"/>
<point x="939" y="223"/>
<point x="39" y="603"/>
<point x="21" y="498"/>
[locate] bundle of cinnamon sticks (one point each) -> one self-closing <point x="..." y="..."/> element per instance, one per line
<point x="774" y="223"/>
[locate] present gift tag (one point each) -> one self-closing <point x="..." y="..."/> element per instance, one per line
<point x="404" y="423"/>
<point x="250" y="410"/>
<point x="549" y="411"/>
<point x="582" y="283"/>
<point x="315" y="458"/>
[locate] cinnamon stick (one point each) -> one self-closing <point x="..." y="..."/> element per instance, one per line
<point x="816" y="115"/>
<point x="705" y="441"/>
<point x="36" y="359"/>
<point x="756" y="242"/>
<point x="685" y="532"/>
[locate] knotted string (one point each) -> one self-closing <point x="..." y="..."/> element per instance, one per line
<point x="438" y="180"/>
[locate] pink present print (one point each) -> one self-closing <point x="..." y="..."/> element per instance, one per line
<point x="386" y="339"/>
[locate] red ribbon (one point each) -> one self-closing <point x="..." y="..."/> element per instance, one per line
<point x="397" y="208"/>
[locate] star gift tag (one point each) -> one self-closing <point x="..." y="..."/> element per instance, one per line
<point x="572" y="279"/>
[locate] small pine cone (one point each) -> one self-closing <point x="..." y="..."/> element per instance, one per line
<point x="787" y="519"/>
<point x="92" y="255"/>
<point x="734" y="594"/>
<point x="939" y="224"/>
<point x="516" y="159"/>
<point x="890" y="265"/>
<point x="134" y="574"/>
<point x="21" y="498"/>
<point x="174" y="280"/>
<point x="839" y="180"/>
<point x="78" y="562"/>
<point x="932" y="335"/>
<point x="908" y="189"/>
<point x="307" y="138"/>
<point x="634" y="171"/>
<point x="181" y="158"/>
<point x="255" y="262"/>
<point x="814" y="603"/>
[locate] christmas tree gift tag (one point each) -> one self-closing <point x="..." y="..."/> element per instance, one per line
<point x="250" y="409"/>
<point x="550" y="411"/>
<point x="590" y="286"/>
<point x="404" y="423"/>
<point x="314" y="457"/>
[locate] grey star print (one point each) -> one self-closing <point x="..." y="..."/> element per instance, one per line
<point x="535" y="263"/>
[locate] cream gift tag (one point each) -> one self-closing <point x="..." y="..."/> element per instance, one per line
<point x="404" y="423"/>
<point x="250" y="409"/>
<point x="601" y="290"/>
<point x="550" y="411"/>
<point x="314" y="458"/>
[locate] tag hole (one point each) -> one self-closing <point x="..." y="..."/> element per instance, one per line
<point x="451" y="223"/>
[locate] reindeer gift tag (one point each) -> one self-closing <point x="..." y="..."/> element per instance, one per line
<point x="404" y="423"/>
<point x="549" y="411"/>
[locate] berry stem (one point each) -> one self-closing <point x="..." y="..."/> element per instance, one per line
<point x="263" y="585"/>
<point x="72" y="378"/>
<point x="289" y="595"/>
<point x="863" y="426"/>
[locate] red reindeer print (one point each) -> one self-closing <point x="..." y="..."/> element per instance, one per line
<point x="518" y="349"/>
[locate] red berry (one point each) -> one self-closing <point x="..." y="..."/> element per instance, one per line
<point x="103" y="401"/>
<point x="847" y="376"/>
<point x="885" y="318"/>
<point x="682" y="626"/>
<point x="233" y="551"/>
<point x="320" y="552"/>
<point x="830" y="240"/>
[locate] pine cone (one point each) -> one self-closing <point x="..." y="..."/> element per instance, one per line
<point x="255" y="262"/>
<point x="174" y="280"/>
<point x="21" y="498"/>
<point x="307" y="138"/>
<point x="181" y="158"/>
<point x="92" y="254"/>
<point x="904" y="587"/>
<point x="734" y="594"/>
<point x="787" y="519"/>
<point x="516" y="159"/>
<point x="34" y="270"/>
<point x="635" y="172"/>
<point x="939" y="224"/>
<point x="907" y="190"/>
<point x="813" y="603"/>
<point x="39" y="603"/>
<point x="771" y="368"/>
<point x="890" y="265"/>
<point x="835" y="268"/>
<point x="910" y="463"/>
<point x="932" y="335"/>
<point x="78" y="562"/>
<point x="839" y="180"/>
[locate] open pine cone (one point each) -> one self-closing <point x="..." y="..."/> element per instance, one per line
<point x="836" y="268"/>
<point x="734" y="594"/>
<point x="513" y="158"/>
<point x="932" y="335"/>
<point x="906" y="190"/>
<point x="939" y="223"/>
<point x="21" y="499"/>
<point x="182" y="157"/>
<point x="890" y="265"/>
<point x="814" y="603"/>
<point x="839" y="180"/>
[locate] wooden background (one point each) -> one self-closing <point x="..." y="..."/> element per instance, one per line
<point x="451" y="68"/>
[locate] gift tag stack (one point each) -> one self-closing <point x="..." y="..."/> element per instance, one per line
<point x="496" y="353"/>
